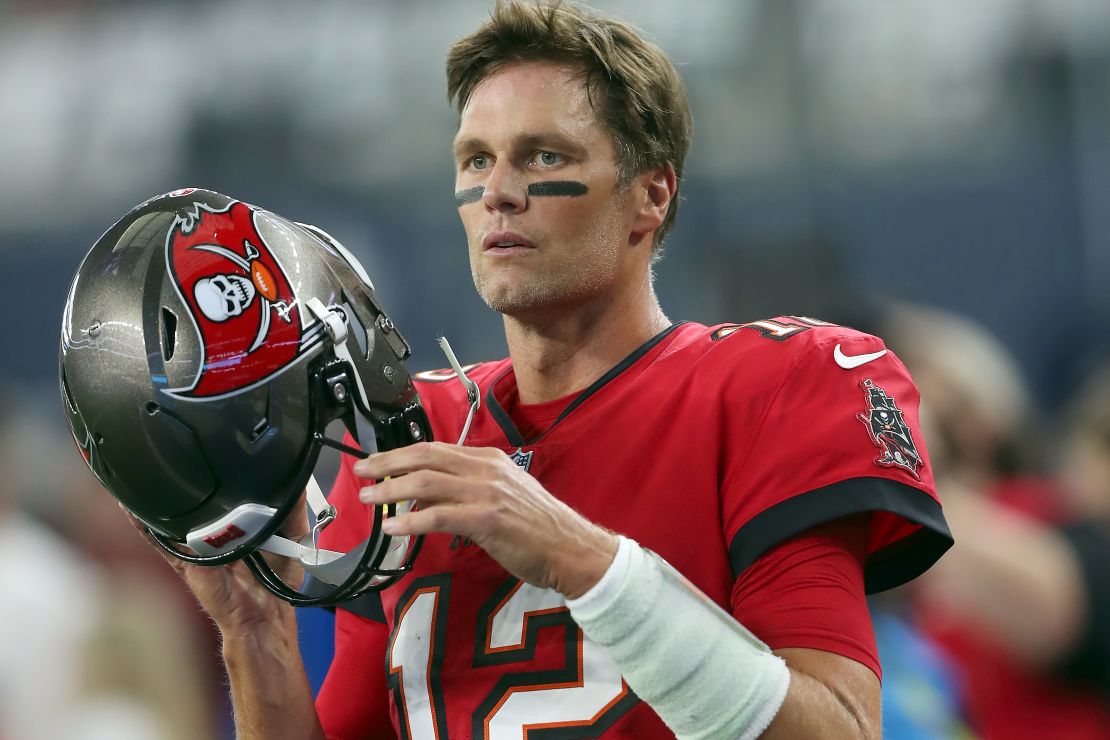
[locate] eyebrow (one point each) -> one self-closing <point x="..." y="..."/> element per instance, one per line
<point x="524" y="143"/>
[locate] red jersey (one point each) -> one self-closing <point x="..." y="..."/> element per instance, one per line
<point x="707" y="445"/>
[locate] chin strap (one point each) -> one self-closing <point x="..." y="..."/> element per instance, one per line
<point x="472" y="394"/>
<point x="331" y="566"/>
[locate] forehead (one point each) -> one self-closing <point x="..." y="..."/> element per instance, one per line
<point x="530" y="97"/>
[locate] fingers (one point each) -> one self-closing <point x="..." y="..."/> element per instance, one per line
<point x="144" y="531"/>
<point x="451" y="518"/>
<point x="426" y="486"/>
<point x="439" y="456"/>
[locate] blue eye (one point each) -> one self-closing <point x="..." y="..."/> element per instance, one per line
<point x="479" y="161"/>
<point x="549" y="158"/>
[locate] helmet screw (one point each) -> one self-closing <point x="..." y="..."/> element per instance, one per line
<point x="385" y="324"/>
<point x="340" y="392"/>
<point x="414" y="429"/>
<point x="94" y="329"/>
<point x="389" y="373"/>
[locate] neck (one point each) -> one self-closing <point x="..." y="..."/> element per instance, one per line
<point x="563" y="349"/>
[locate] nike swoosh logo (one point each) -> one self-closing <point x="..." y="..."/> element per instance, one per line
<point x="849" y="362"/>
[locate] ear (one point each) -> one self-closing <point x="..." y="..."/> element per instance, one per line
<point x="654" y="190"/>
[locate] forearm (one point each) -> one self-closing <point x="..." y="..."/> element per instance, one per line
<point x="813" y="709"/>
<point x="269" y="689"/>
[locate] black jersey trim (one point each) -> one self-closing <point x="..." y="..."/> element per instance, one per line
<point x="892" y="566"/>
<point x="509" y="428"/>
<point x="501" y="416"/>
<point x="368" y="605"/>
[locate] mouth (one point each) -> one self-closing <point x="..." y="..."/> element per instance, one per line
<point x="505" y="242"/>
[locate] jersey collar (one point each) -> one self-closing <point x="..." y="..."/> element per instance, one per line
<point x="517" y="439"/>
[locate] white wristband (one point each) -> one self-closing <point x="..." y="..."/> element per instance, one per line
<point x="701" y="671"/>
<point x="605" y="590"/>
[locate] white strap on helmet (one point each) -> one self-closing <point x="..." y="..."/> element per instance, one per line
<point x="472" y="394"/>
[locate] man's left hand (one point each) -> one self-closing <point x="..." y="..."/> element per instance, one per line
<point x="481" y="494"/>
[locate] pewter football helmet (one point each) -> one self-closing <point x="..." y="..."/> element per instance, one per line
<point x="206" y="346"/>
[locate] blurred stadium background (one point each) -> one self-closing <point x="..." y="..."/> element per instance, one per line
<point x="855" y="160"/>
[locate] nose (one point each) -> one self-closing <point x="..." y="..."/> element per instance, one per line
<point x="505" y="189"/>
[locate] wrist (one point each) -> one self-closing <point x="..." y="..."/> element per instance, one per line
<point x="280" y="629"/>
<point x="250" y="651"/>
<point x="582" y="571"/>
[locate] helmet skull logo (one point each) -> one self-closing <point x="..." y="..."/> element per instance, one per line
<point x="222" y="297"/>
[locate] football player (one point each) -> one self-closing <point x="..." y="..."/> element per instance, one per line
<point x="653" y="528"/>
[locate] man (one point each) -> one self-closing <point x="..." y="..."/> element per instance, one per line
<point x="774" y="464"/>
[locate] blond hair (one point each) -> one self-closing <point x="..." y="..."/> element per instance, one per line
<point x="640" y="99"/>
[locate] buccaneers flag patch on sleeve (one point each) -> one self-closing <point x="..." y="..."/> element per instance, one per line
<point x="888" y="430"/>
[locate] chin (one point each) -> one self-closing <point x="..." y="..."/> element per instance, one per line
<point x="508" y="302"/>
<point x="515" y="297"/>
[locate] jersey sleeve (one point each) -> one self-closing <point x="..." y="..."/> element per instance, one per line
<point x="808" y="592"/>
<point x="354" y="699"/>
<point x="838" y="433"/>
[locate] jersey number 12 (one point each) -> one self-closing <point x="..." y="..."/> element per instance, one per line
<point x="588" y="694"/>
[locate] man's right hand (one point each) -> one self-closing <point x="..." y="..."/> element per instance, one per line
<point x="269" y="689"/>
<point x="237" y="602"/>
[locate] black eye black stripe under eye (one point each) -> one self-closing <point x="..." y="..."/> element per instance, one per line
<point x="568" y="188"/>
<point x="470" y="195"/>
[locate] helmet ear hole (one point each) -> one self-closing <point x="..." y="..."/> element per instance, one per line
<point x="169" y="333"/>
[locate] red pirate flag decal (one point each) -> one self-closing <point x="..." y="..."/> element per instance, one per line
<point x="240" y="299"/>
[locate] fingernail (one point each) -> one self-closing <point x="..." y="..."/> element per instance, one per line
<point x="366" y="495"/>
<point x="391" y="526"/>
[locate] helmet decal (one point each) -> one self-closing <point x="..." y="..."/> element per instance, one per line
<point x="242" y="302"/>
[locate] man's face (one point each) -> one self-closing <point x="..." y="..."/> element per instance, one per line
<point x="531" y="124"/>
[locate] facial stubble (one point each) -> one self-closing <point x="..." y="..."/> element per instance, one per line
<point x="574" y="273"/>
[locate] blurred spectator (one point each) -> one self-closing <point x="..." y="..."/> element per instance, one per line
<point x="976" y="406"/>
<point x="89" y="651"/>
<point x="1017" y="603"/>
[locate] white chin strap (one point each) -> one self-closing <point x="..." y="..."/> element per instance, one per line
<point x="472" y="394"/>
<point x="331" y="566"/>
